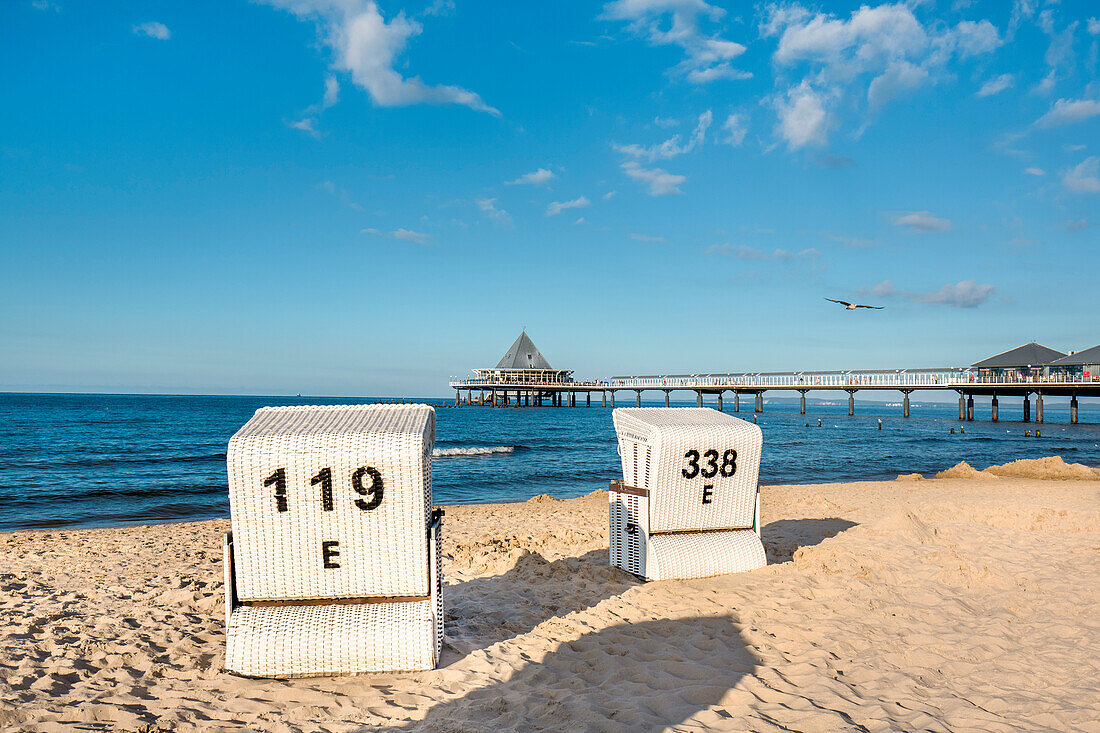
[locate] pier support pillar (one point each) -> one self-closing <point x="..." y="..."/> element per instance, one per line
<point x="612" y="399"/>
<point x="493" y="397"/>
<point x="962" y="407"/>
<point x="666" y="396"/>
<point x="905" y="404"/>
<point x="605" y="398"/>
<point x="587" y="399"/>
<point x="698" y="398"/>
<point x="736" y="401"/>
<point x="851" y="402"/>
<point x="1073" y="410"/>
<point x="638" y="398"/>
<point x="970" y="407"/>
<point x="1039" y="407"/>
<point x="572" y="399"/>
<point x="1027" y="407"/>
<point x="719" y="402"/>
<point x="759" y="402"/>
<point x="802" y="402"/>
<point x="458" y="397"/>
<point x="481" y="398"/>
<point x="993" y="408"/>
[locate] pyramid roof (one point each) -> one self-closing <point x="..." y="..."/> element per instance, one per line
<point x="523" y="354"/>
<point x="1030" y="354"/>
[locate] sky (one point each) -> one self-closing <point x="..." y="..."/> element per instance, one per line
<point x="348" y="197"/>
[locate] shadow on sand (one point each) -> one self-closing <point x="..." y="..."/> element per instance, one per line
<point x="641" y="676"/>
<point x="784" y="536"/>
<point x="484" y="611"/>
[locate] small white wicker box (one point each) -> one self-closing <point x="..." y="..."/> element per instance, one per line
<point x="332" y="565"/>
<point x="688" y="505"/>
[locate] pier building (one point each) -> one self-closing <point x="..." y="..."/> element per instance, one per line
<point x="524" y="377"/>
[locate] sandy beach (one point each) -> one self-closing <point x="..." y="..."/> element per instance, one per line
<point x="944" y="604"/>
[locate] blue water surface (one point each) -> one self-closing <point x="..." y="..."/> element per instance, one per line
<point x="103" y="460"/>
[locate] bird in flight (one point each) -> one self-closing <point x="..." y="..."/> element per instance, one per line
<point x="852" y="306"/>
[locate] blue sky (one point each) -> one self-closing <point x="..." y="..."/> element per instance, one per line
<point x="348" y="198"/>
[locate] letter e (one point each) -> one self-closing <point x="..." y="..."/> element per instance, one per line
<point x="329" y="551"/>
<point x="708" y="493"/>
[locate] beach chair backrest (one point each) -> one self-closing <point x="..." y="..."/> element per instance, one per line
<point x="699" y="466"/>
<point x="332" y="502"/>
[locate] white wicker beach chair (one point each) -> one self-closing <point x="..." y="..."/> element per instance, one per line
<point x="333" y="563"/>
<point x="689" y="503"/>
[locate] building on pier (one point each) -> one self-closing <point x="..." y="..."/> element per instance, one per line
<point x="1028" y="363"/>
<point x="523" y="363"/>
<point x="1078" y="366"/>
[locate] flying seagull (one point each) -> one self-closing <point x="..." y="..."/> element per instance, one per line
<point x="852" y="306"/>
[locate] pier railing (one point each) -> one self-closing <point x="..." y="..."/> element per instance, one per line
<point x="889" y="378"/>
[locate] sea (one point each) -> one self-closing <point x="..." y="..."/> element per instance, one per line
<point x="92" y="460"/>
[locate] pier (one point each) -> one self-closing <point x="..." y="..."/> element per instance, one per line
<point x="1028" y="371"/>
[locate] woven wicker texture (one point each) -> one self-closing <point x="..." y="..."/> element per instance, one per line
<point x="303" y="492"/>
<point x="330" y="639"/>
<point x="300" y="641"/>
<point x="702" y="554"/>
<point x="677" y="453"/>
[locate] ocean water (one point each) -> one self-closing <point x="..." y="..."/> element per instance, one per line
<point x="104" y="460"/>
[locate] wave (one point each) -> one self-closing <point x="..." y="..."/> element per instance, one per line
<point x="471" y="451"/>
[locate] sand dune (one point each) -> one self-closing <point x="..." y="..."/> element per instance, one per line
<point x="932" y="605"/>
<point x="1049" y="468"/>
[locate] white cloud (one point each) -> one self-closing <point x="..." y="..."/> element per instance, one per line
<point x="802" y="117"/>
<point x="922" y="221"/>
<point x="672" y="147"/>
<point x="885" y="47"/>
<point x="853" y="242"/>
<point x="1076" y="225"/>
<point x="368" y="48"/>
<point x="646" y="238"/>
<point x="308" y="122"/>
<point x="736" y="127"/>
<point x="743" y="252"/>
<point x="489" y="207"/>
<point x="900" y="76"/>
<point x="1093" y="26"/>
<point x="556" y="207"/>
<point x="609" y="195"/>
<point x="46" y="5"/>
<point x="537" y="178"/>
<point x="660" y="181"/>
<point x="1059" y="57"/>
<point x="1083" y="177"/>
<point x="579" y="221"/>
<point x="707" y="57"/>
<point x="1035" y="171"/>
<point x="1068" y="111"/>
<point x="305" y="125"/>
<point x="153" y="29"/>
<point x="332" y="92"/>
<point x="440" y="7"/>
<point x="405" y="235"/>
<point x="964" y="294"/>
<point x="409" y="235"/>
<point x="996" y="85"/>
<point x="343" y="196"/>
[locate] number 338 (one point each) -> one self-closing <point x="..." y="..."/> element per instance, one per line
<point x="710" y="466"/>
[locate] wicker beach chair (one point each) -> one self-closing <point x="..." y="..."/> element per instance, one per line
<point x="689" y="504"/>
<point x="333" y="563"/>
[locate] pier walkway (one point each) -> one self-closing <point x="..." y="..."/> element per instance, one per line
<point x="524" y="378"/>
<point x="967" y="382"/>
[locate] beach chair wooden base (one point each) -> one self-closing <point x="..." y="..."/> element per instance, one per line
<point x="345" y="636"/>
